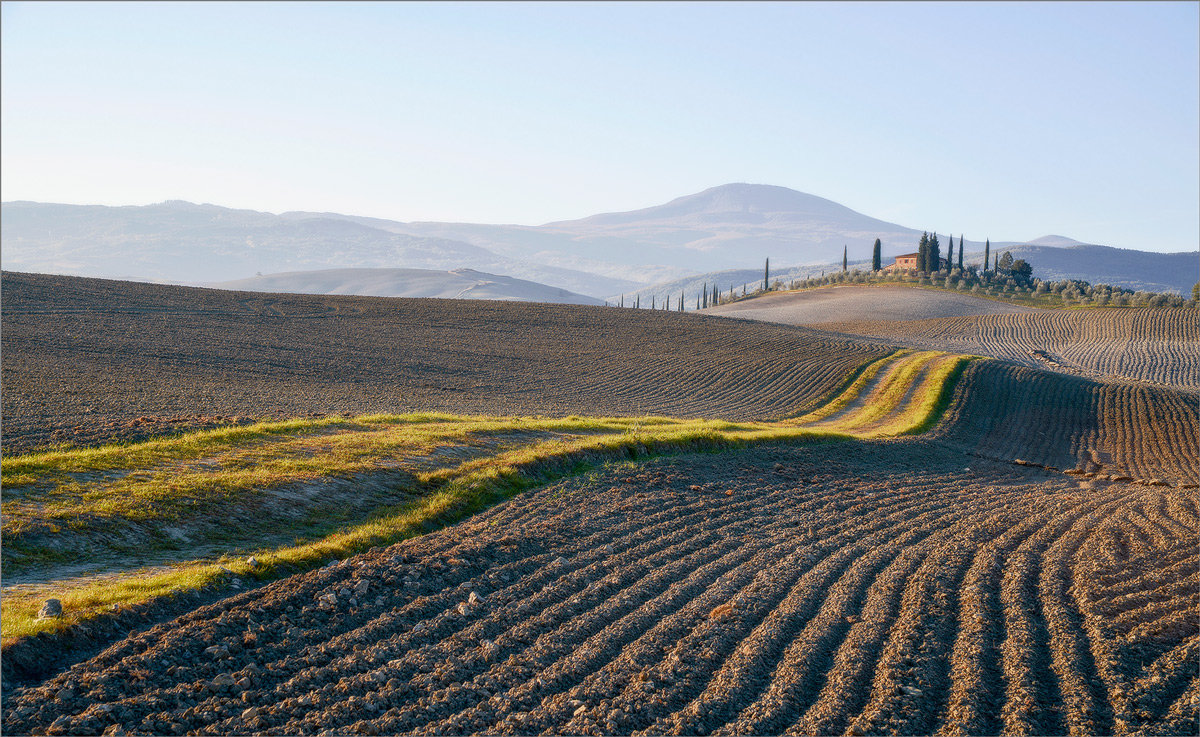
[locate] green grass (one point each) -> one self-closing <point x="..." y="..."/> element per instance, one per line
<point x="452" y="466"/>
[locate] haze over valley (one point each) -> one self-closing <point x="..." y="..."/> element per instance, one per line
<point x="654" y="251"/>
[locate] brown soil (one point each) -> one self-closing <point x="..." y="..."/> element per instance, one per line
<point x="1157" y="345"/>
<point x="84" y="359"/>
<point x="857" y="588"/>
<point x="873" y="303"/>
<point x="1117" y="430"/>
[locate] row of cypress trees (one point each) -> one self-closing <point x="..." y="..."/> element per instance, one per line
<point x="929" y="259"/>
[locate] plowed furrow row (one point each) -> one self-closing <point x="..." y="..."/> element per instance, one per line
<point x="911" y="680"/>
<point x="581" y="628"/>
<point x="1032" y="687"/>
<point x="1166" y="679"/>
<point x="853" y="664"/>
<point x="1084" y="691"/>
<point x="735" y="678"/>
<point x="555" y="604"/>
<point x="1147" y="344"/>
<point x="738" y="637"/>
<point x="796" y="681"/>
<point x="976" y="673"/>
<point x="435" y="611"/>
<point x="840" y="588"/>
<point x="607" y="685"/>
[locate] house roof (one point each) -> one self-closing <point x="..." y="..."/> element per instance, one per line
<point x="908" y="255"/>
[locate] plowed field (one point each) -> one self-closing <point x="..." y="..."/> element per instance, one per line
<point x="852" y="303"/>
<point x="1146" y="344"/>
<point x="1117" y="430"/>
<point x="840" y="588"/>
<point x="1029" y="565"/>
<point x="88" y="360"/>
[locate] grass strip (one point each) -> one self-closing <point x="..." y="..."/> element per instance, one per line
<point x="471" y="487"/>
<point x="837" y="400"/>
<point x="451" y="492"/>
<point x="887" y="396"/>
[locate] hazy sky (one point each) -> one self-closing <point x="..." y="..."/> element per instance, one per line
<point x="1006" y="120"/>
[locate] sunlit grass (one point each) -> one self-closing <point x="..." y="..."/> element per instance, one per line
<point x="453" y="466"/>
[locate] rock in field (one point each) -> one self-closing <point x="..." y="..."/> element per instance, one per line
<point x="52" y="608"/>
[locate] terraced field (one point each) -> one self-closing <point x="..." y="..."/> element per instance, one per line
<point x="90" y="360"/>
<point x="1155" y="345"/>
<point x="822" y="589"/>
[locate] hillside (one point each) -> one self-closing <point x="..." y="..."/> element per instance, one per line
<point x="1018" y="556"/>
<point x="1156" y="345"/>
<point x="850" y="303"/>
<point x="455" y="284"/>
<point x="185" y="243"/>
<point x="1138" y="270"/>
<point x="730" y="227"/>
<point x="87" y="359"/>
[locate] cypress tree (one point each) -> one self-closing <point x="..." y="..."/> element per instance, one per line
<point x="950" y="253"/>
<point x="923" y="253"/>
<point x="622" y="300"/>
<point x="681" y="300"/>
<point x="960" y="251"/>
<point x="844" y="262"/>
<point x="876" y="256"/>
<point x="987" y="249"/>
<point x="704" y="292"/>
<point x="652" y="298"/>
<point x="766" y="274"/>
<point x="935" y="254"/>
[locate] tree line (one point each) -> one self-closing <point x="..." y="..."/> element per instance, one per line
<point x="949" y="271"/>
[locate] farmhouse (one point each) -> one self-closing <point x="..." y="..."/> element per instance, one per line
<point x="908" y="261"/>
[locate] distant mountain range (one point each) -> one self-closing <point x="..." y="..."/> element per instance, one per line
<point x="733" y="227"/>
<point x="183" y="243"/>
<point x="455" y="284"/>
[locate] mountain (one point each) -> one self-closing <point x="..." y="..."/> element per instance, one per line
<point x="1059" y="241"/>
<point x="724" y="227"/>
<point x="730" y="227"/>
<point x="186" y="243"/>
<point x="454" y="284"/>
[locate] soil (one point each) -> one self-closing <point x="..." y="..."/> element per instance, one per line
<point x="875" y="303"/>
<point x="86" y="361"/>
<point x="888" y="587"/>
<point x="1148" y="345"/>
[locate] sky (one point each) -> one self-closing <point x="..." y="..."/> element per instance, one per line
<point x="1002" y="120"/>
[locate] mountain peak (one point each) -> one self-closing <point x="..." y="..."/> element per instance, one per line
<point x="1055" y="240"/>
<point x="732" y="202"/>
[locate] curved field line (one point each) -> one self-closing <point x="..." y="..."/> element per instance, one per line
<point x="891" y="396"/>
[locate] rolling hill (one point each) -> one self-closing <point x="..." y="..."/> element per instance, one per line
<point x="725" y="228"/>
<point x="185" y="243"/>
<point x="1138" y="270"/>
<point x="848" y="303"/>
<point x="454" y="284"/>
